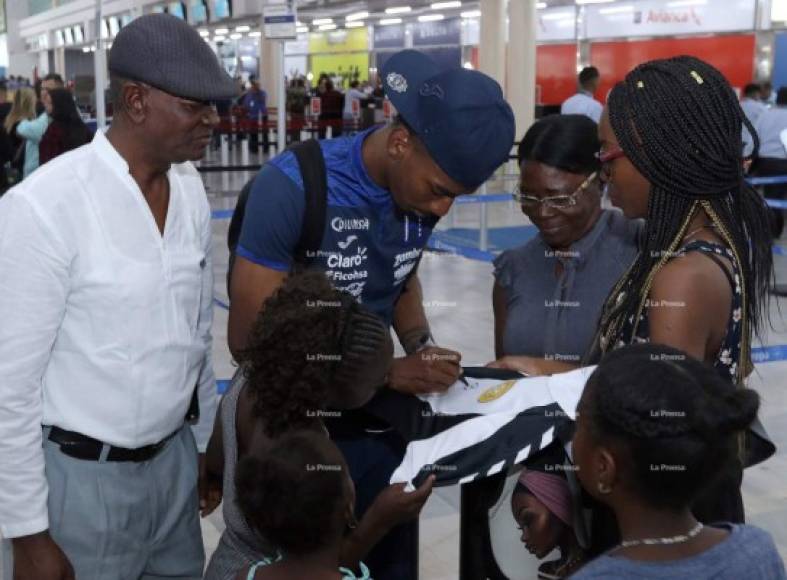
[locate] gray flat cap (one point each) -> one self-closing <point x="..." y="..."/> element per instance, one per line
<point x="165" y="52"/>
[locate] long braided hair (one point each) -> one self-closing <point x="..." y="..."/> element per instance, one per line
<point x="679" y="122"/>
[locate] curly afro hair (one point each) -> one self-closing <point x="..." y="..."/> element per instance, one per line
<point x="297" y="493"/>
<point x="308" y="347"/>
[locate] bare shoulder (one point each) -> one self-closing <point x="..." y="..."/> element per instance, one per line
<point x="695" y="279"/>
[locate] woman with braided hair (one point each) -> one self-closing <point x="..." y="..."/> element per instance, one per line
<point x="313" y="352"/>
<point x="671" y="154"/>
<point x="653" y="428"/>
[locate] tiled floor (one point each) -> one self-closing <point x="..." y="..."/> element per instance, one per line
<point x="461" y="318"/>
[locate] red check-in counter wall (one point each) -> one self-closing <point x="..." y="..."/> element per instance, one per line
<point x="733" y="55"/>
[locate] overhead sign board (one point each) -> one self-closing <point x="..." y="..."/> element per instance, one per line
<point x="279" y="18"/>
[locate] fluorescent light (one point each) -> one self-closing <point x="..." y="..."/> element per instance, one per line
<point x="430" y="17"/>
<point x="617" y="9"/>
<point x="322" y="21"/>
<point x="559" y="16"/>
<point x="541" y="5"/>
<point x="327" y="27"/>
<point x="398" y="10"/>
<point x="471" y="14"/>
<point x="222" y="31"/>
<point x="236" y="36"/>
<point x="85" y="49"/>
<point x="354" y="24"/>
<point x="387" y="21"/>
<point x="255" y="34"/>
<point x="681" y="3"/>
<point x="445" y="5"/>
<point x="204" y="32"/>
<point x="301" y="29"/>
<point x="243" y="28"/>
<point x="468" y="65"/>
<point x="219" y="38"/>
<point x="581" y="2"/>
<point x="356" y="16"/>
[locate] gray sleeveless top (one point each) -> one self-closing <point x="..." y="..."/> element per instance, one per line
<point x="239" y="545"/>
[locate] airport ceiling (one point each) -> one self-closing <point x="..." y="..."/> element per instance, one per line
<point x="333" y="8"/>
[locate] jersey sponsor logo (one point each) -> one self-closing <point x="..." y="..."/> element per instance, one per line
<point x="346" y="243"/>
<point x="338" y="275"/>
<point x="402" y="271"/>
<point x="339" y="224"/>
<point x="407" y="256"/>
<point x="355" y="289"/>
<point x="340" y="261"/>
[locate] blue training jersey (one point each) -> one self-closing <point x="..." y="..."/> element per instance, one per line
<point x="369" y="246"/>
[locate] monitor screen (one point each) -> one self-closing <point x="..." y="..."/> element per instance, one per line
<point x="221" y="9"/>
<point x="177" y="9"/>
<point x="199" y="11"/>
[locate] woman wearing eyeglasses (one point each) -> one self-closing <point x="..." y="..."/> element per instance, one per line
<point x="547" y="298"/>
<point x="548" y="293"/>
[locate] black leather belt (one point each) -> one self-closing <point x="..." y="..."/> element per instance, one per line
<point x="83" y="447"/>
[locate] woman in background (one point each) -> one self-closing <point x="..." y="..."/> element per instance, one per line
<point x="23" y="109"/>
<point x="66" y="131"/>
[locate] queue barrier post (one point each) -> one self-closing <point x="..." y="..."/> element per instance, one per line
<point x="483" y="242"/>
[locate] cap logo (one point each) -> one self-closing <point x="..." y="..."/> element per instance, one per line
<point x="432" y="90"/>
<point x="397" y="82"/>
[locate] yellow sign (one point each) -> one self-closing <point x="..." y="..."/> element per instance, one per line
<point x="341" y="65"/>
<point x="494" y="393"/>
<point x="352" y="40"/>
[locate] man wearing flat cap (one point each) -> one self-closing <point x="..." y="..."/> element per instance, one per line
<point x="386" y="189"/>
<point x="106" y="307"/>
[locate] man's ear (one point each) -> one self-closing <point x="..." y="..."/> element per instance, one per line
<point x="136" y="100"/>
<point x="400" y="143"/>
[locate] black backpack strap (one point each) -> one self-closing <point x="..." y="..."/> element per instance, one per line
<point x="312" y="166"/>
<point x="315" y="185"/>
<point x="233" y="234"/>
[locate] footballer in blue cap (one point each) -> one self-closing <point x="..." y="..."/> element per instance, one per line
<point x="459" y="115"/>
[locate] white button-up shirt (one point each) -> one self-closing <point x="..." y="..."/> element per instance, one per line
<point x="105" y="324"/>
<point x="753" y="109"/>
<point x="582" y="103"/>
<point x="769" y="127"/>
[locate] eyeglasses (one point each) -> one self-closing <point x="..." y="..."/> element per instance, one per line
<point x="530" y="203"/>
<point x="605" y="157"/>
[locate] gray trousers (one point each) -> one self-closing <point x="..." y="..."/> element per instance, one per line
<point x="127" y="521"/>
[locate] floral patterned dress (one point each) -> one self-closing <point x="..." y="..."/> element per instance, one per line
<point x="729" y="353"/>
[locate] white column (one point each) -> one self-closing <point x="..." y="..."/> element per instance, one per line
<point x="271" y="73"/>
<point x="521" y="63"/>
<point x="492" y="50"/>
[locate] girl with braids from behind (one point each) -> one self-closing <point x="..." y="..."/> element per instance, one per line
<point x="653" y="424"/>
<point x="671" y="138"/>
<point x="312" y="348"/>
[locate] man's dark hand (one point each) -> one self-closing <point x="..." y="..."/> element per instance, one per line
<point x="38" y="557"/>
<point x="209" y="487"/>
<point x="431" y="370"/>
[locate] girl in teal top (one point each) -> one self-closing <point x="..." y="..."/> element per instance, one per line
<point x="298" y="493"/>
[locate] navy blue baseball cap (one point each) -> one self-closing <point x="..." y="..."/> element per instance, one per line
<point x="460" y="115"/>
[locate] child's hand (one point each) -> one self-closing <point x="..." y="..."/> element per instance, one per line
<point x="394" y="505"/>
